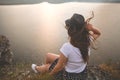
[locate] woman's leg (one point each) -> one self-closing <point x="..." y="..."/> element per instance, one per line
<point x="50" y="58"/>
<point x="43" y="68"/>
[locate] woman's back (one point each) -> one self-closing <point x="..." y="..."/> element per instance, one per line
<point x="75" y="63"/>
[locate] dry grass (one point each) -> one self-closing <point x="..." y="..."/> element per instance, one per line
<point x="21" y="72"/>
<point x="112" y="69"/>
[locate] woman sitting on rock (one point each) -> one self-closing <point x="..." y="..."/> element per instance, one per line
<point x="74" y="53"/>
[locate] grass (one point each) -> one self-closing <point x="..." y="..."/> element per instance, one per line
<point x="23" y="71"/>
<point x="112" y="69"/>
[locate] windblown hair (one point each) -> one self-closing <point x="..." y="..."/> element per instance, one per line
<point x="79" y="37"/>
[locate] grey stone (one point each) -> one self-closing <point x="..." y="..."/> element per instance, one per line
<point x="6" y="55"/>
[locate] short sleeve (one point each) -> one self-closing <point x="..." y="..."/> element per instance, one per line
<point x="65" y="50"/>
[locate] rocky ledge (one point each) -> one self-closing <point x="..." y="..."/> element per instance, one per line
<point x="24" y="72"/>
<point x="6" y="55"/>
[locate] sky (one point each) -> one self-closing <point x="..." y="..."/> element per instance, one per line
<point x="11" y="2"/>
<point x="36" y="29"/>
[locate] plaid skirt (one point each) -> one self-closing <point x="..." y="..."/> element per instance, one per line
<point x="75" y="76"/>
<point x="63" y="75"/>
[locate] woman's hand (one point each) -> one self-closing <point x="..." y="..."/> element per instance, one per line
<point x="94" y="32"/>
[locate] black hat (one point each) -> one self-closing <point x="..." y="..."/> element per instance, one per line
<point x="76" y="20"/>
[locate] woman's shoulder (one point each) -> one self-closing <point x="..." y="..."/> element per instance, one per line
<point x="67" y="44"/>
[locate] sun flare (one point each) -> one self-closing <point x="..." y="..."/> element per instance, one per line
<point x="49" y="24"/>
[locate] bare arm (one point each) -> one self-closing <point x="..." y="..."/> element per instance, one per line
<point x="94" y="32"/>
<point x="60" y="65"/>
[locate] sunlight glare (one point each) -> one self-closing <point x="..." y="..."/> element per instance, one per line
<point x="49" y="29"/>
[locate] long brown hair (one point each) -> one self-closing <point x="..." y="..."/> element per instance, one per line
<point x="79" y="35"/>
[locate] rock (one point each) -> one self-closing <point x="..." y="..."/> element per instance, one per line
<point x="16" y="72"/>
<point x="23" y="75"/>
<point x="6" y="55"/>
<point x="96" y="73"/>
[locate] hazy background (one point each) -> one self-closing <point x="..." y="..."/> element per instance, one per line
<point x="36" y="29"/>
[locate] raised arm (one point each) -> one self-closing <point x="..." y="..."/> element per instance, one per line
<point x="94" y="32"/>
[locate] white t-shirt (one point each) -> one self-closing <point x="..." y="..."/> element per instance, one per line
<point x="75" y="63"/>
